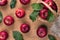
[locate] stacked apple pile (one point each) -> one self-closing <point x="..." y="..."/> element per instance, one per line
<point x="43" y="11"/>
<point x="39" y="9"/>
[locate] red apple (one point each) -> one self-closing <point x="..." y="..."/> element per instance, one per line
<point x="42" y="31"/>
<point x="3" y="2"/>
<point x="24" y="28"/>
<point x="24" y="2"/>
<point x="43" y="13"/>
<point x="20" y="13"/>
<point x="8" y="20"/>
<point x="3" y="35"/>
<point x="54" y="6"/>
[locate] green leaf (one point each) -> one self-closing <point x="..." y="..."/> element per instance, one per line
<point x="34" y="15"/>
<point x="12" y="3"/>
<point x="51" y="37"/>
<point x="1" y="16"/>
<point x="37" y="6"/>
<point x="17" y="35"/>
<point x="50" y="17"/>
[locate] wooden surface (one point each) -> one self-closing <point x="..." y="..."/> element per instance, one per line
<point x="31" y="35"/>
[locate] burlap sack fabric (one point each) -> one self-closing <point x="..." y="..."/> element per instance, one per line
<point x="31" y="35"/>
